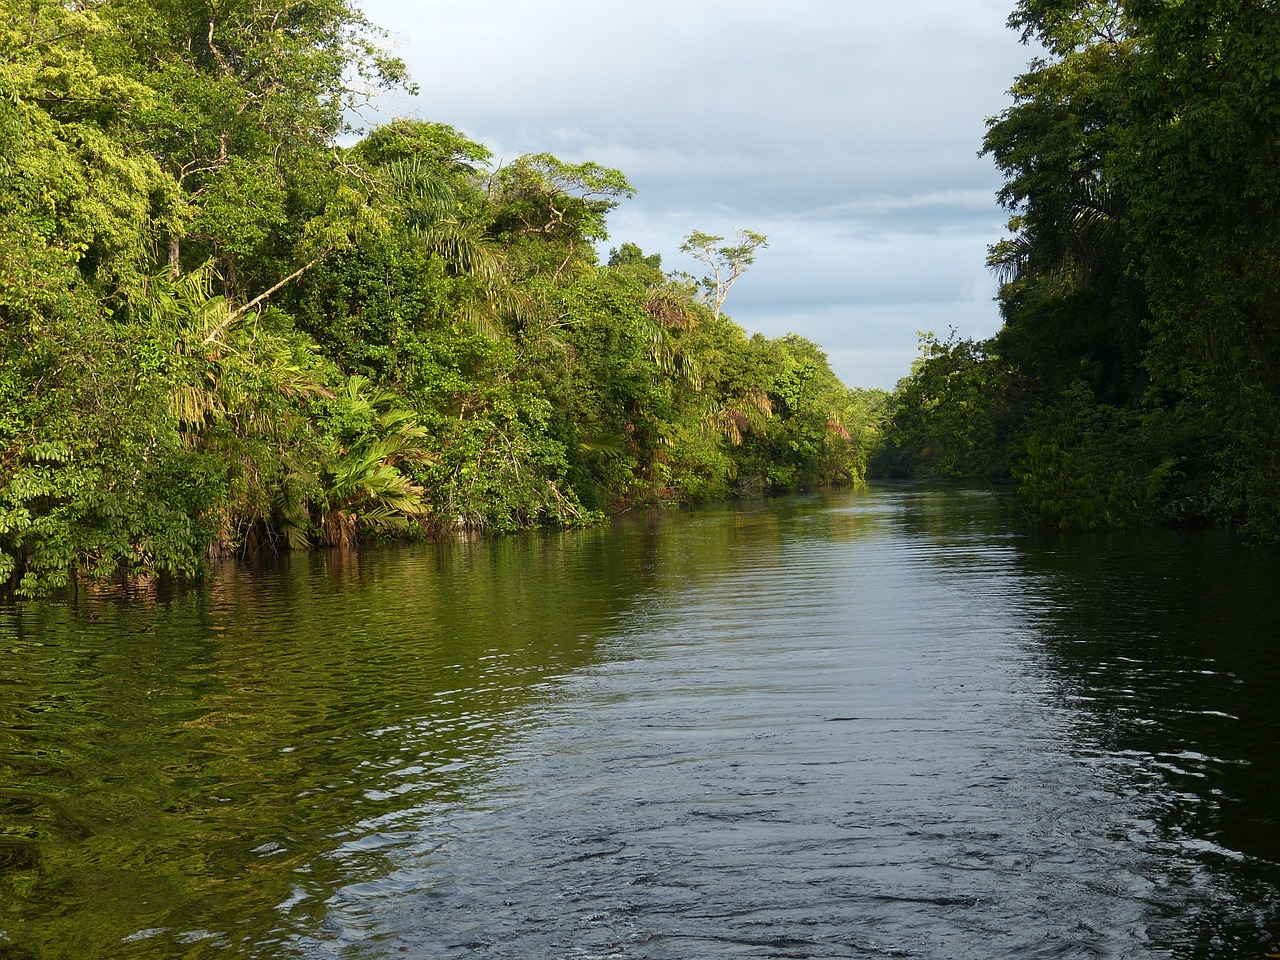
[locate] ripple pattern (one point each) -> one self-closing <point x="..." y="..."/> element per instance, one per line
<point x="882" y="724"/>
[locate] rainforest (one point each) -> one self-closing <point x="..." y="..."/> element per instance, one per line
<point x="1135" y="380"/>
<point x="235" y="318"/>
<point x="231" y="322"/>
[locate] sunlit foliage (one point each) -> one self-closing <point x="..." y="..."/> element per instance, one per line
<point x="222" y="331"/>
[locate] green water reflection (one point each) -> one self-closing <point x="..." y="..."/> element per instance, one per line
<point x="195" y="774"/>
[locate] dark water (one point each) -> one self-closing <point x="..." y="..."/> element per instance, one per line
<point x="878" y="725"/>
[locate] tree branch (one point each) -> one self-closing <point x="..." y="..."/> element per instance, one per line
<point x="260" y="298"/>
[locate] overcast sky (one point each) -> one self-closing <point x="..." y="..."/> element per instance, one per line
<point x="847" y="131"/>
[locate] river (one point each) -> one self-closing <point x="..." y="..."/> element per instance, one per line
<point x="885" y="723"/>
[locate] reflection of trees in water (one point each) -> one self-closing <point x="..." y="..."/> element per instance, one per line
<point x="224" y="760"/>
<point x="1163" y="648"/>
<point x="185" y="766"/>
<point x="949" y="513"/>
<point x="1166" y="647"/>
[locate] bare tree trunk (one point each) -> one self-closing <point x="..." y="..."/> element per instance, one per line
<point x="175" y="256"/>
<point x="229" y="275"/>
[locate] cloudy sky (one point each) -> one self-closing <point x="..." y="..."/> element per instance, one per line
<point x="847" y="131"/>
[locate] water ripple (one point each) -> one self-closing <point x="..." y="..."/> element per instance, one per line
<point x="878" y="725"/>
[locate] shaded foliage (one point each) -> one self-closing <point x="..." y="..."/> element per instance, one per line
<point x="1140" y="286"/>
<point x="956" y="415"/>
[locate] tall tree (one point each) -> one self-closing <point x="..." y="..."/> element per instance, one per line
<point x="1071" y="299"/>
<point x="727" y="262"/>
<point x="1201" y="162"/>
<point x="1141" y="157"/>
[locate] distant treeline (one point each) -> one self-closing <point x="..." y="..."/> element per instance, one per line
<point x="222" y="332"/>
<point x="1136" y="378"/>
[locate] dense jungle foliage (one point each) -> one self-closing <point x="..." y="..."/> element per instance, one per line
<point x="1136" y="377"/>
<point x="221" y="331"/>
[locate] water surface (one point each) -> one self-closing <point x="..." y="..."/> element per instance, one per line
<point x="883" y="724"/>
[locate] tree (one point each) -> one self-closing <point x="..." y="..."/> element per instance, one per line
<point x="187" y="369"/>
<point x="558" y="209"/>
<point x="1200" y="161"/>
<point x="630" y="255"/>
<point x="949" y="417"/>
<point x="1141" y="159"/>
<point x="92" y="476"/>
<point x="1071" y="299"/>
<point x="255" y="91"/>
<point x="727" y="263"/>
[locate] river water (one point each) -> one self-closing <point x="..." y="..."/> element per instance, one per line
<point x="879" y="724"/>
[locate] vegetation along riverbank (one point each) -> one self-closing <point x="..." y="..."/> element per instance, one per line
<point x="221" y="330"/>
<point x="1136" y="377"/>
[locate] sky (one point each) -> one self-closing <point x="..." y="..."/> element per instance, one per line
<point x="846" y="131"/>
